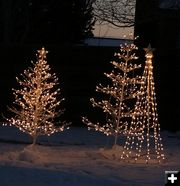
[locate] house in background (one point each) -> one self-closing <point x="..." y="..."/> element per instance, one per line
<point x="169" y="24"/>
<point x="158" y="22"/>
<point x="106" y="41"/>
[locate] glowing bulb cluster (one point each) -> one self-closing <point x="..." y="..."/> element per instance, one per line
<point x="143" y="138"/>
<point x="36" y="102"/>
<point x="124" y="87"/>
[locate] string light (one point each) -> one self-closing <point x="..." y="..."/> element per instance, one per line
<point x="143" y="138"/>
<point x="124" y="88"/>
<point x="36" y="101"/>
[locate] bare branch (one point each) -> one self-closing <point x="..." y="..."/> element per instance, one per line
<point x="120" y="13"/>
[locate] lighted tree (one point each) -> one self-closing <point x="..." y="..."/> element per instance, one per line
<point x="36" y="109"/>
<point x="121" y="92"/>
<point x="143" y="140"/>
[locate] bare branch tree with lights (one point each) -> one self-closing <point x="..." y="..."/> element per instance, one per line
<point x="36" y="106"/>
<point x="144" y="142"/>
<point x="123" y="90"/>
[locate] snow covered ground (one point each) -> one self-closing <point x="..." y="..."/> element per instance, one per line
<point x="74" y="157"/>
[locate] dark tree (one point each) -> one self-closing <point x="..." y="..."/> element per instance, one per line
<point x="14" y="21"/>
<point x="82" y="19"/>
<point x="45" y="21"/>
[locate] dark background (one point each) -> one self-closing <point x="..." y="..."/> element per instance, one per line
<point x="61" y="26"/>
<point x="80" y="69"/>
<point x="161" y="28"/>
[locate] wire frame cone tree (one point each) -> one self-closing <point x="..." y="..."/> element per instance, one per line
<point x="36" y="102"/>
<point x="144" y="142"/>
<point x="124" y="88"/>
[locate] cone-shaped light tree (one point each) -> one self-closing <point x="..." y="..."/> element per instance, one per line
<point x="124" y="88"/>
<point x="36" y="106"/>
<point x="143" y="141"/>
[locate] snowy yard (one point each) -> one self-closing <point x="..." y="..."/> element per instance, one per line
<point x="77" y="157"/>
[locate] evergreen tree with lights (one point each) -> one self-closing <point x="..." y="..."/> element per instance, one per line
<point x="36" y="103"/>
<point x="143" y="141"/>
<point x="123" y="90"/>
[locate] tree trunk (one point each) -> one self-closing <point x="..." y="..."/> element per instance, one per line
<point x="115" y="139"/>
<point x="34" y="140"/>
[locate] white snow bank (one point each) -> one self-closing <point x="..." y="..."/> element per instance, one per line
<point x="77" y="157"/>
